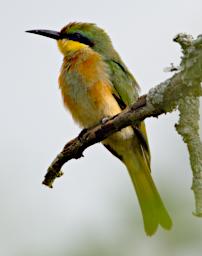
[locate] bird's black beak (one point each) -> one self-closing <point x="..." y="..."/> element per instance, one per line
<point x="48" y="33"/>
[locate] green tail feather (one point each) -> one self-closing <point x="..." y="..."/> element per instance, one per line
<point x="153" y="211"/>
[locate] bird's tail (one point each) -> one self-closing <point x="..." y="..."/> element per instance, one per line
<point x="153" y="211"/>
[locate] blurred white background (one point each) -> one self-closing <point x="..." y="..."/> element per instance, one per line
<point x="92" y="209"/>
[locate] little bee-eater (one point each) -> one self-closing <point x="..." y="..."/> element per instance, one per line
<point x="95" y="84"/>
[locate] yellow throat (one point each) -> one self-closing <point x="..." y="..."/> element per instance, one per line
<point x="66" y="46"/>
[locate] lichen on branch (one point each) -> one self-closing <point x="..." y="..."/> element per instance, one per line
<point x="188" y="128"/>
<point x="181" y="91"/>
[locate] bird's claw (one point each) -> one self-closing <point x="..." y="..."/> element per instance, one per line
<point x="105" y="119"/>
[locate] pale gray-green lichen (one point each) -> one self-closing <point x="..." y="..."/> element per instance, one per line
<point x="156" y="95"/>
<point x="188" y="128"/>
<point x="183" y="91"/>
<point x="184" y="40"/>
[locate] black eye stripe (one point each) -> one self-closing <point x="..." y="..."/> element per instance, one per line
<point x="79" y="38"/>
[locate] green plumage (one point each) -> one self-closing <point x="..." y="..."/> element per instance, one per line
<point x="136" y="155"/>
<point x="130" y="144"/>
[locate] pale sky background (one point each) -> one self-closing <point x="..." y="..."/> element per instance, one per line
<point x="93" y="206"/>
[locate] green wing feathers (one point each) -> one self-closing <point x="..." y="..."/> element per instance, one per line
<point x="124" y="84"/>
<point x="137" y="159"/>
<point x="125" y="90"/>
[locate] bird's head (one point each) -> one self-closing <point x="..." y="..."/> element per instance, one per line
<point x="75" y="36"/>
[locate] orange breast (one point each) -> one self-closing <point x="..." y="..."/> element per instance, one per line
<point x="86" y="90"/>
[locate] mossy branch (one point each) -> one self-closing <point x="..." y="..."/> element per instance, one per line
<point x="181" y="91"/>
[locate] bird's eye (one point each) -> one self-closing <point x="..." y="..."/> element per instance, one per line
<point x="79" y="38"/>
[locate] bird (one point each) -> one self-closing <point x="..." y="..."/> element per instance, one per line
<point x="96" y="84"/>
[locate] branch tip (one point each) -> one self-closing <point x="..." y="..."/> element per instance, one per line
<point x="184" y="40"/>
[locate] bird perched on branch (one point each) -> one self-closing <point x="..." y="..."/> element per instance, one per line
<point x="95" y="84"/>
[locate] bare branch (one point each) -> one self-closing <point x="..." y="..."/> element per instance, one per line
<point x="88" y="137"/>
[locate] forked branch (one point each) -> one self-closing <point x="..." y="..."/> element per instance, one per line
<point x="181" y="91"/>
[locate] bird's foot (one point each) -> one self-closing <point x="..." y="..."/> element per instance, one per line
<point x="105" y="119"/>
